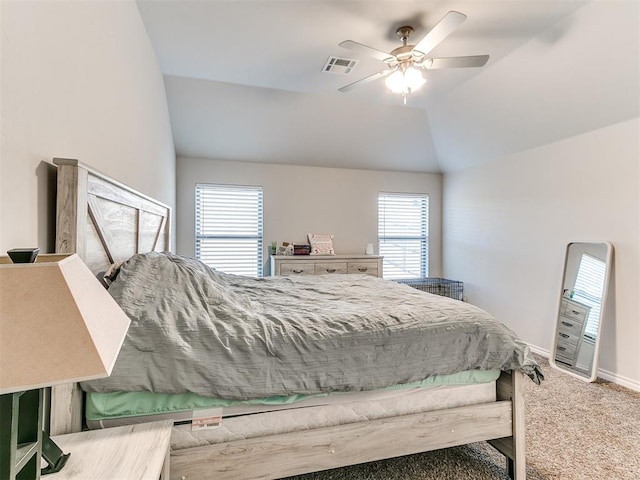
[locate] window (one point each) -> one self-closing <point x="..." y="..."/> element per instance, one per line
<point x="229" y="228"/>
<point x="403" y="234"/>
<point x="588" y="290"/>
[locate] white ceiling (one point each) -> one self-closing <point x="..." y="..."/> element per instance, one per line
<point x="244" y="79"/>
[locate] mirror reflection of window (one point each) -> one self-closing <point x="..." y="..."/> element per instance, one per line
<point x="588" y="290"/>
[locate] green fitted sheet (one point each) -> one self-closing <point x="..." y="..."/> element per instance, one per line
<point x="103" y="406"/>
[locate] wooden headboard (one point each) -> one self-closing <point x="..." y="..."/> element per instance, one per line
<point x="104" y="222"/>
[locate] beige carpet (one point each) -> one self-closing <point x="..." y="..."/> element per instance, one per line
<point x="575" y="431"/>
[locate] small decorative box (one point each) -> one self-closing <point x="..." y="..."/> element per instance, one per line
<point x="301" y="249"/>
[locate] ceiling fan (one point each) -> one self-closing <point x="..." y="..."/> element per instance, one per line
<point x="405" y="62"/>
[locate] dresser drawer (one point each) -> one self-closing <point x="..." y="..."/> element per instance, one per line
<point x="566" y="360"/>
<point x="297" y="268"/>
<point x="330" y="267"/>
<point x="570" y="326"/>
<point x="368" y="268"/>
<point x="576" y="312"/>
<point x="568" y="338"/>
<point x="565" y="349"/>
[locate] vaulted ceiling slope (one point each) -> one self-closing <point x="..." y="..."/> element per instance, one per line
<point x="244" y="79"/>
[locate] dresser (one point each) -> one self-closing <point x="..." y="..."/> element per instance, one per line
<point x="326" y="264"/>
<point x="573" y="318"/>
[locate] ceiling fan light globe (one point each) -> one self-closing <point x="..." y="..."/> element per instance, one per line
<point x="396" y="83"/>
<point x="405" y="82"/>
<point x="413" y="79"/>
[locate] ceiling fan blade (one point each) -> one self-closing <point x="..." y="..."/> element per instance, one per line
<point x="365" y="80"/>
<point x="456" y="62"/>
<point x="441" y="31"/>
<point x="360" y="48"/>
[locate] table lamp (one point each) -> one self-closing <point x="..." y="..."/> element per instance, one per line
<point x="58" y="325"/>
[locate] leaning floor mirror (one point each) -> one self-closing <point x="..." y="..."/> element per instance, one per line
<point x="583" y="297"/>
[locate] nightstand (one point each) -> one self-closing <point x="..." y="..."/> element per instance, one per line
<point x="133" y="452"/>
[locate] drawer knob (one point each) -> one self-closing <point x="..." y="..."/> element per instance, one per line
<point x="363" y="269"/>
<point x="298" y="271"/>
<point x="331" y="270"/>
<point x="564" y="335"/>
<point x="567" y="324"/>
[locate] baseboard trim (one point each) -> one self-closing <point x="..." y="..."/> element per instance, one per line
<point x="619" y="380"/>
<point x="540" y="351"/>
<point x="604" y="374"/>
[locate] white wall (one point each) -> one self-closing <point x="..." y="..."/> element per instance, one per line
<point x="507" y="224"/>
<point x="300" y="200"/>
<point x="79" y="80"/>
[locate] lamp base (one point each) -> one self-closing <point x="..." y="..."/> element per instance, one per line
<point x="21" y="434"/>
<point x="52" y="454"/>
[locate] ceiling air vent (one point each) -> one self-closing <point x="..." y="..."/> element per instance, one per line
<point x="342" y="66"/>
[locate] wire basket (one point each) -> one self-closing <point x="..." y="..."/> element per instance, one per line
<point x="439" y="286"/>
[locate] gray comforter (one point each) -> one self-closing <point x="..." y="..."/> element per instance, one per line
<point x="194" y="329"/>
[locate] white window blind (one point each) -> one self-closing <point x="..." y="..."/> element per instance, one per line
<point x="588" y="290"/>
<point x="229" y="228"/>
<point x="403" y="234"/>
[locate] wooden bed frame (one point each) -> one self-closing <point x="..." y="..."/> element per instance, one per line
<point x="105" y="221"/>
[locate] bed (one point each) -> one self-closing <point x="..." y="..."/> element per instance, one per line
<point x="106" y="222"/>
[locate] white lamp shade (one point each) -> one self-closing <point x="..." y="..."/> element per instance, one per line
<point x="58" y="324"/>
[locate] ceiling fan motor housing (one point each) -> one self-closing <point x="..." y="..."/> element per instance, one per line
<point x="405" y="52"/>
<point x="404" y="33"/>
